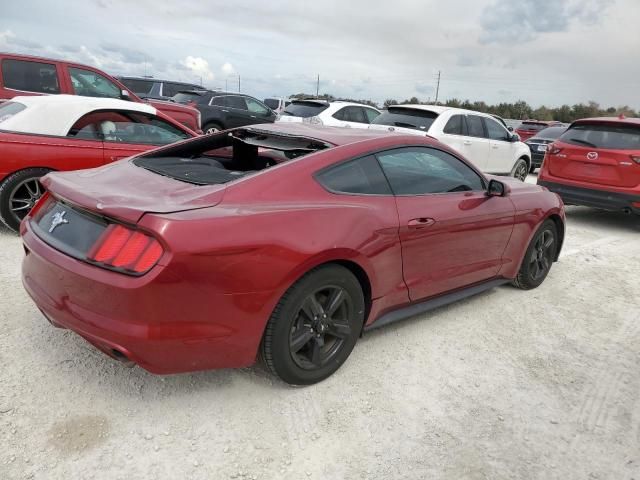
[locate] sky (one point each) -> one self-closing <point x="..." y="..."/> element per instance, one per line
<point x="546" y="52"/>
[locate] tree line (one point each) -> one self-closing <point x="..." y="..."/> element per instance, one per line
<point x="519" y="110"/>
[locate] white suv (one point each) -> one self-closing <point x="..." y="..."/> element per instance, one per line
<point x="477" y="136"/>
<point x="333" y="114"/>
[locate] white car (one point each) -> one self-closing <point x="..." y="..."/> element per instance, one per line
<point x="332" y="114"/>
<point x="277" y="104"/>
<point x="477" y="136"/>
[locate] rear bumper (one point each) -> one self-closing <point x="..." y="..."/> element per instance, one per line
<point x="593" y="198"/>
<point x="158" y="321"/>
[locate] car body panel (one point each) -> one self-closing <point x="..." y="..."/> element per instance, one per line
<point x="227" y="264"/>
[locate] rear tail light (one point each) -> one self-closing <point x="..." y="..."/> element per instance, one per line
<point x="636" y="158"/>
<point x="552" y="149"/>
<point x="40" y="208"/>
<point x="123" y="249"/>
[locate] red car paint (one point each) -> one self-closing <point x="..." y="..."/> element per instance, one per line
<point x="232" y="250"/>
<point x="19" y="151"/>
<point x="188" y="116"/>
<point x="583" y="174"/>
<point x="528" y="128"/>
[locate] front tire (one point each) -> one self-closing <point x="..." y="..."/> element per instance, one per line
<point x="18" y="194"/>
<point x="520" y="169"/>
<point x="539" y="257"/>
<point x="212" y="128"/>
<point x="315" y="326"/>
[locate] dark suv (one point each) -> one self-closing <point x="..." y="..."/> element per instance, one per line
<point x="223" y="110"/>
<point x="147" y="87"/>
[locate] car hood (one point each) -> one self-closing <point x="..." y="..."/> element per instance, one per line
<point x="125" y="191"/>
<point x="165" y="106"/>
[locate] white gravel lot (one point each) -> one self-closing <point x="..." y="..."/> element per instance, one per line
<point x="509" y="384"/>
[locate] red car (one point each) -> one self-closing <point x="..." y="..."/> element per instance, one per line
<point x="529" y="128"/>
<point x="283" y="241"/>
<point x="27" y="75"/>
<point x="63" y="132"/>
<point x="596" y="163"/>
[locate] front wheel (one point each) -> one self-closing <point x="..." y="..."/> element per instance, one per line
<point x="539" y="257"/>
<point x="212" y="128"/>
<point x="520" y="170"/>
<point x="19" y="192"/>
<point x="315" y="326"/>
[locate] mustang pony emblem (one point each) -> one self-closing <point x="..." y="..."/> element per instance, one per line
<point x="57" y="220"/>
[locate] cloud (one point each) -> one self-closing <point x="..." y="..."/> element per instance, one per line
<point x="227" y="69"/>
<point x="425" y="89"/>
<point x="127" y="54"/>
<point x="510" y="21"/>
<point x="198" y="66"/>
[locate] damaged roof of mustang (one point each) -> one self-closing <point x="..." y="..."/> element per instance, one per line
<point x="283" y="242"/>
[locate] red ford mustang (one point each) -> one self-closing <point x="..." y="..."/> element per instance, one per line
<point x="280" y="241"/>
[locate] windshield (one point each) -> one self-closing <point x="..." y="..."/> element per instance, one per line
<point x="9" y="109"/>
<point x="611" y="136"/>
<point x="406" y="118"/>
<point x="305" y="109"/>
<point x="184" y="97"/>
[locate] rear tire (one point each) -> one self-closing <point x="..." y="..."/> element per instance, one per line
<point x="520" y="169"/>
<point x="539" y="257"/>
<point x="314" y="327"/>
<point x="18" y="194"/>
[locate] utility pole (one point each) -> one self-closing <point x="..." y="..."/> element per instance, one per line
<point x="318" y="86"/>
<point x="226" y="84"/>
<point x="238" y="83"/>
<point x="438" y="87"/>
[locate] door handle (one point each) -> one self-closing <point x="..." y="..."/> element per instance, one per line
<point x="467" y="142"/>
<point x="421" y="222"/>
<point x="252" y="116"/>
<point x="225" y="111"/>
<point x="495" y="146"/>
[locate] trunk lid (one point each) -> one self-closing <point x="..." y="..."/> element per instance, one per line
<point x="126" y="192"/>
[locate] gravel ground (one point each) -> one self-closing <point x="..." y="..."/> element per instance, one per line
<point x="509" y="384"/>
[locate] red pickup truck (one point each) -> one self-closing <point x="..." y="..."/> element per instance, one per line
<point x="27" y="75"/>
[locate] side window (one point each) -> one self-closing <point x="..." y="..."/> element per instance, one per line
<point x="256" y="107"/>
<point x="355" y="114"/>
<point x="30" y="76"/>
<point x="217" y="101"/>
<point x="371" y="114"/>
<point x="91" y="84"/>
<point x="339" y="115"/>
<point x="87" y="127"/>
<point x="139" y="87"/>
<point x="170" y="89"/>
<point x="418" y="171"/>
<point x="475" y="127"/>
<point x="234" y="101"/>
<point x="361" y="176"/>
<point x="455" y="126"/>
<point x="495" y="131"/>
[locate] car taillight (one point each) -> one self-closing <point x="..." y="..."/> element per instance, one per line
<point x="39" y="209"/>
<point x="636" y="158"/>
<point x="552" y="149"/>
<point x="121" y="248"/>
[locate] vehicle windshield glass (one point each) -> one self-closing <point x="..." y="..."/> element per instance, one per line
<point x="531" y="126"/>
<point x="226" y="157"/>
<point x="305" y="109"/>
<point x="550" y="133"/>
<point x="406" y="118"/>
<point x="184" y="97"/>
<point x="272" y="103"/>
<point x="613" y="136"/>
<point x="9" y="109"/>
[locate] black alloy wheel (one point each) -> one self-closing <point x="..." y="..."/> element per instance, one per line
<point x="19" y="193"/>
<point x="539" y="257"/>
<point x="314" y="326"/>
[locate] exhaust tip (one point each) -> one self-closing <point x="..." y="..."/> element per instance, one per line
<point x="121" y="357"/>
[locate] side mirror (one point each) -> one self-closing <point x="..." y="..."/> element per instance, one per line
<point x="124" y="95"/>
<point x="515" y="138"/>
<point x="496" y="189"/>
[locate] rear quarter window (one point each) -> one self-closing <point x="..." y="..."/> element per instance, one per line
<point x="9" y="109"/>
<point x="609" y="136"/>
<point x="360" y="176"/>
